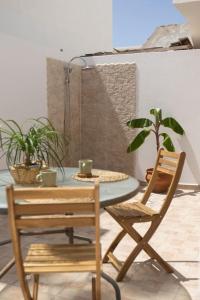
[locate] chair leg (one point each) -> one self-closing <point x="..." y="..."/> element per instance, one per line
<point x="113" y="245"/>
<point x="93" y="288"/>
<point x="25" y="290"/>
<point x="154" y="255"/>
<point x="151" y="252"/>
<point x="142" y="245"/>
<point x="96" y="287"/>
<point x="126" y="265"/>
<point x="35" y="286"/>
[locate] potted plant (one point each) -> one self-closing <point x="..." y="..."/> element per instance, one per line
<point x="29" y="150"/>
<point x="163" y="138"/>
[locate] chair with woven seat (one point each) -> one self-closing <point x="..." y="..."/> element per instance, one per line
<point x="46" y="208"/>
<point x="127" y="214"/>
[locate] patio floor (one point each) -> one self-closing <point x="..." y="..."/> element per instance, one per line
<point x="177" y="240"/>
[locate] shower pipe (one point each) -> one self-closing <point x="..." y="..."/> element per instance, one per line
<point x="68" y="70"/>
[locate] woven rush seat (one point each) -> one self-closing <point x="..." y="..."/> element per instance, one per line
<point x="43" y="258"/>
<point x="130" y="210"/>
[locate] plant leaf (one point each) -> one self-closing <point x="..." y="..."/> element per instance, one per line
<point x="157" y="113"/>
<point x="173" y="124"/>
<point x="41" y="142"/>
<point x="167" y="142"/>
<point x="138" y="140"/>
<point x="139" y="123"/>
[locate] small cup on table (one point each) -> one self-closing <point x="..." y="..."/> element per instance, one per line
<point x="85" y="167"/>
<point x="47" y="178"/>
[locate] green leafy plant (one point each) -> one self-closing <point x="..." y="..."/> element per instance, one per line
<point x="41" y="143"/>
<point x="154" y="127"/>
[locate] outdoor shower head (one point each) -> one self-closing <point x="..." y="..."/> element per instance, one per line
<point x="85" y="66"/>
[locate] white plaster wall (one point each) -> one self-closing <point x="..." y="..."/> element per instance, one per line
<point x="30" y="31"/>
<point x="169" y="80"/>
<point x="22" y="79"/>
<point x="76" y="26"/>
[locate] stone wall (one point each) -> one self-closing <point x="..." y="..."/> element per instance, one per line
<point x="64" y="96"/>
<point x="108" y="101"/>
<point x="92" y="107"/>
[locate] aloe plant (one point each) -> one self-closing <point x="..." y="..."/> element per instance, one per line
<point x="154" y="127"/>
<point x="41" y="143"/>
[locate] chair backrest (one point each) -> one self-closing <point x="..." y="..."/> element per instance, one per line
<point x="30" y="208"/>
<point x="170" y="163"/>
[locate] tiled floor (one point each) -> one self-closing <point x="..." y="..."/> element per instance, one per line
<point x="177" y="240"/>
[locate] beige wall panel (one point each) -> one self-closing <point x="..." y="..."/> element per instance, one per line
<point x="108" y="101"/>
<point x="96" y="103"/>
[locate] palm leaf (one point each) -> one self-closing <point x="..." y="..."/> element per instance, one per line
<point x="167" y="142"/>
<point x="138" y="140"/>
<point x="139" y="123"/>
<point x="157" y="113"/>
<point x="173" y="124"/>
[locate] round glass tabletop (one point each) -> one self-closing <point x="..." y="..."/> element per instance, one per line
<point x="110" y="192"/>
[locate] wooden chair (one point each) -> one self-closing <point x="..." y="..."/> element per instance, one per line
<point x="45" y="208"/>
<point x="127" y="214"/>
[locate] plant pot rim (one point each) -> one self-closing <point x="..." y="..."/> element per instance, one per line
<point x="32" y="166"/>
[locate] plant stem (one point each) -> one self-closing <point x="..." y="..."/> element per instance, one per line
<point x="27" y="160"/>
<point x="157" y="126"/>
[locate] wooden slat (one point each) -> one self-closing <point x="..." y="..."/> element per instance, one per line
<point x="169" y="154"/>
<point x="165" y="170"/>
<point x="55" y="252"/>
<point x="145" y="209"/>
<point x="68" y="247"/>
<point x="131" y="210"/>
<point x="114" y="261"/>
<point x="168" y="162"/>
<point x="49" y="192"/>
<point x="59" y="269"/>
<point x="38" y="209"/>
<point x="51" y="258"/>
<point x="61" y="252"/>
<point x="68" y="221"/>
<point x="58" y="259"/>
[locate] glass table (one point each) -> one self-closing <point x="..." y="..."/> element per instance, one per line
<point x="110" y="192"/>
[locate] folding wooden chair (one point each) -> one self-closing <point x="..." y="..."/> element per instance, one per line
<point x="46" y="208"/>
<point x="127" y="214"/>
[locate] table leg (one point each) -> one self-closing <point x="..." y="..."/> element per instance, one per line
<point x="7" y="267"/>
<point x="113" y="283"/>
<point x="5" y="242"/>
<point x="70" y="233"/>
<point x="11" y="263"/>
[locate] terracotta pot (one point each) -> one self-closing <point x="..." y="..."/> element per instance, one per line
<point x="162" y="183"/>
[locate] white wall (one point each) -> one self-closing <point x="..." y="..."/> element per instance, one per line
<point x="76" y="26"/>
<point x="169" y="80"/>
<point x="30" y="31"/>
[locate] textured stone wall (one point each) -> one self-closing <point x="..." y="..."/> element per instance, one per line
<point x="92" y="107"/>
<point x="64" y="96"/>
<point x="108" y="101"/>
